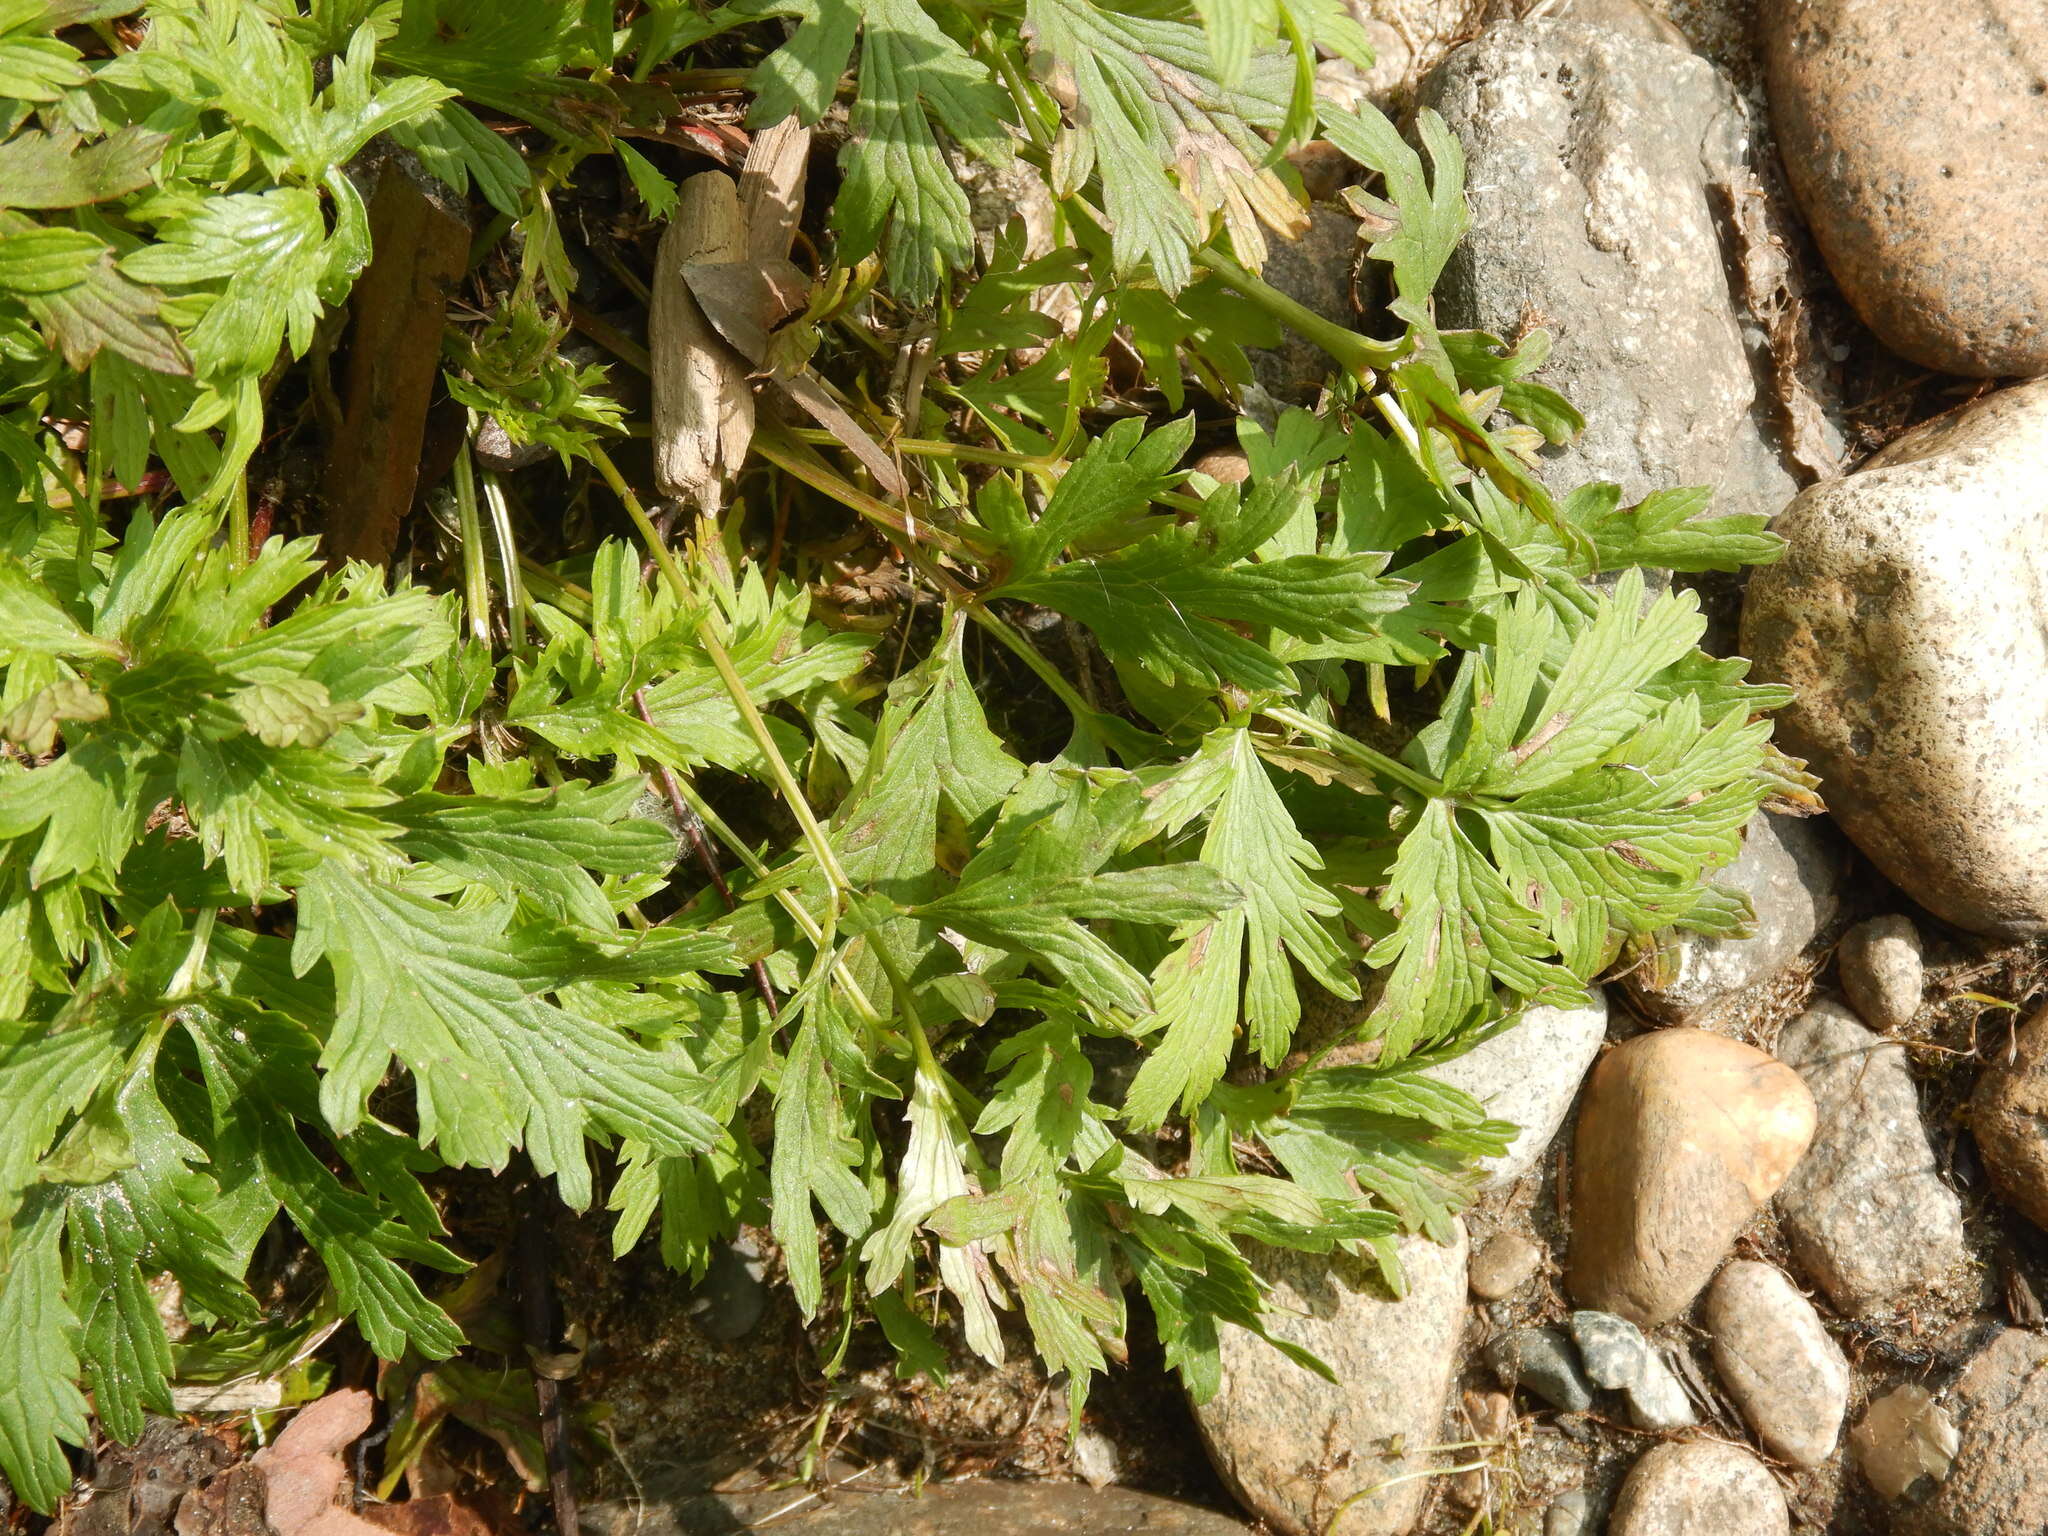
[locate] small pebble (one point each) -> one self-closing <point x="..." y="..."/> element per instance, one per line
<point x="1883" y="971"/>
<point x="1541" y="1360"/>
<point x="1576" y="1513"/>
<point x="1905" y="1436"/>
<point x="1226" y="466"/>
<point x="1503" y="1265"/>
<point x="1095" y="1458"/>
<point x="1617" y="1354"/>
<point x="729" y="1300"/>
<point x="1491" y="1416"/>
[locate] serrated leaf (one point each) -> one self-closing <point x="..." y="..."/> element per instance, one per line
<point x="1422" y="217"/>
<point x="50" y="170"/>
<point x="268" y="252"/>
<point x="816" y="1157"/>
<point x="896" y="177"/>
<point x="297" y="712"/>
<point x="654" y="189"/>
<point x="542" y="844"/>
<point x="495" y="1066"/>
<point x="248" y="1061"/>
<point x="1460" y="932"/>
<point x="1173" y="145"/>
<point x="1666" y="531"/>
<point x="1240" y="963"/>
<point x="101" y="308"/>
<point x="40" y="1403"/>
<point x="1170" y="606"/>
<point x="127" y="1356"/>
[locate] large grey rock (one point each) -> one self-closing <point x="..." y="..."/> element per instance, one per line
<point x="1998" y="1485"/>
<point x="1787" y="1376"/>
<point x="939" y="1509"/>
<point x="1907" y="616"/>
<point x="1273" y="1427"/>
<point x="1699" y="1488"/>
<point x="1792" y="877"/>
<point x="1868" y="1217"/>
<point x="1529" y="1077"/>
<point x="1590" y="158"/>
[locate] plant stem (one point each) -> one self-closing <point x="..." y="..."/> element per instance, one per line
<point x="1348" y="746"/>
<point x="931" y="448"/>
<point x="792" y="457"/>
<point x="708" y="636"/>
<point x="508" y="557"/>
<point x="1360" y="354"/>
<point x="476" y="584"/>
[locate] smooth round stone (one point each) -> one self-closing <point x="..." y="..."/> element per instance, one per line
<point x="1915" y="136"/>
<point x="1883" y="970"/>
<point x="1682" y="1136"/>
<point x="2009" y="1114"/>
<point x="1906" y="615"/>
<point x="1790" y="1379"/>
<point x="1699" y="1488"/>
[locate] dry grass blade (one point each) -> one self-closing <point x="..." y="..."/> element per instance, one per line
<point x="703" y="403"/>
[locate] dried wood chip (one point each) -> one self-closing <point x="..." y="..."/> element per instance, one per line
<point x="772" y="189"/>
<point x="400" y="308"/>
<point x="703" y="403"/>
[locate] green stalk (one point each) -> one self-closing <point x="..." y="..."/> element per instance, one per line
<point x="1360" y="354"/>
<point x="784" y="897"/>
<point x="932" y="448"/>
<point x="735" y="686"/>
<point x="476" y="584"/>
<point x="789" y="455"/>
<point x="1349" y="746"/>
<point x="559" y="590"/>
<point x="508" y="557"/>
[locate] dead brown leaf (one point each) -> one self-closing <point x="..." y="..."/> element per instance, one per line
<point x="305" y="1478"/>
<point x="441" y="1515"/>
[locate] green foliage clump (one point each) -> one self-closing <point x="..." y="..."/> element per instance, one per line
<point x="315" y="882"/>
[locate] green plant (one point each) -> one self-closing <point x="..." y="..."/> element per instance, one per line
<point x="315" y="882"/>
